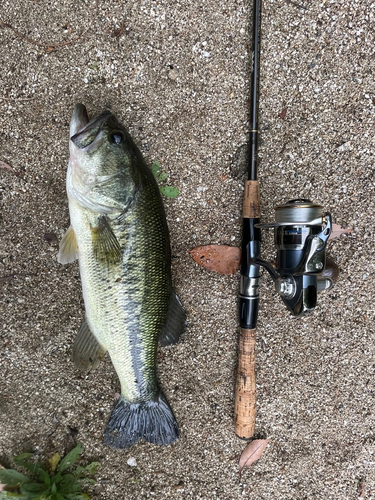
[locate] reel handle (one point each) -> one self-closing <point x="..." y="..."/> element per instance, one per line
<point x="245" y="392"/>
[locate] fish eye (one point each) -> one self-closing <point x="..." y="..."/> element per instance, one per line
<point x="117" y="137"/>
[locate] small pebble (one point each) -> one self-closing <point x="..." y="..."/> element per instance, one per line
<point x="173" y="73"/>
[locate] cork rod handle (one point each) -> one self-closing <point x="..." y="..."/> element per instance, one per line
<point x="244" y="406"/>
<point x="251" y="201"/>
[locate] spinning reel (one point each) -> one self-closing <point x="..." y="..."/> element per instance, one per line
<point x="301" y="234"/>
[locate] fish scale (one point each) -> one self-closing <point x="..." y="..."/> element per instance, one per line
<point x="120" y="236"/>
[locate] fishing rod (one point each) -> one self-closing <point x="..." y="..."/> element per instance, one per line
<point x="249" y="297"/>
<point x="301" y="233"/>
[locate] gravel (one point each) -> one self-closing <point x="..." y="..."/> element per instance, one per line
<point x="176" y="73"/>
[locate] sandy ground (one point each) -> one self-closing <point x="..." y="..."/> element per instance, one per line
<point x="176" y="74"/>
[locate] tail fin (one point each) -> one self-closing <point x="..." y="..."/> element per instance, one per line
<point x="151" y="420"/>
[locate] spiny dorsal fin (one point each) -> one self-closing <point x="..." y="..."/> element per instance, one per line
<point x="106" y="246"/>
<point x="68" y="248"/>
<point x="175" y="324"/>
<point x="87" y="352"/>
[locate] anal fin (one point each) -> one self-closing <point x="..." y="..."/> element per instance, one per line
<point x="68" y="248"/>
<point x="87" y="351"/>
<point x="175" y="324"/>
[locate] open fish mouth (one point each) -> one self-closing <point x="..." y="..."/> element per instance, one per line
<point x="79" y="119"/>
<point x="83" y="132"/>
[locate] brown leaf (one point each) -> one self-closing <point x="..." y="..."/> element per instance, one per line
<point x="179" y="486"/>
<point x="338" y="231"/>
<point x="6" y="166"/>
<point x="361" y="488"/>
<point x="252" y="453"/>
<point x="331" y="270"/>
<point x="222" y="259"/>
<point x="51" y="237"/>
<point x="119" y="31"/>
<point x="283" y="114"/>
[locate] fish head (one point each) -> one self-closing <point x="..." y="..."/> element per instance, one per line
<point x="98" y="147"/>
<point x="106" y="169"/>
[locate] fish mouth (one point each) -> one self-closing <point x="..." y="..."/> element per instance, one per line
<point x="79" y="119"/>
<point x="84" y="132"/>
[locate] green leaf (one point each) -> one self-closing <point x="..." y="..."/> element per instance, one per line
<point x="44" y="495"/>
<point x="71" y="458"/>
<point x="24" y="463"/>
<point x="68" y="481"/>
<point x="22" y="457"/>
<point x="53" y="488"/>
<point x="57" y="496"/>
<point x="169" y="191"/>
<point x="32" y="488"/>
<point x="12" y="478"/>
<point x="27" y="465"/>
<point x="162" y="176"/>
<point x="56" y="478"/>
<point x="69" y="485"/>
<point x="75" y="496"/>
<point x="32" y="467"/>
<point x="78" y="471"/>
<point x="155" y="168"/>
<point x="92" y="468"/>
<point x="44" y="476"/>
<point x="4" y="495"/>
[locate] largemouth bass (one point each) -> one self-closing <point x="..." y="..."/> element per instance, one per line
<point x="120" y="236"/>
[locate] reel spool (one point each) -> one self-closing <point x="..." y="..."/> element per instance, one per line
<point x="301" y="234"/>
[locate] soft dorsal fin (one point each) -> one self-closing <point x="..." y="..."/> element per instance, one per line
<point x="105" y="244"/>
<point x="175" y="324"/>
<point x="87" y="351"/>
<point x="68" y="248"/>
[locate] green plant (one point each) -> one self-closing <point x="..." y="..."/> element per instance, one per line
<point x="168" y="191"/>
<point x="50" y="480"/>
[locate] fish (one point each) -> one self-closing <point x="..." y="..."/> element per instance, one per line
<point x="119" y="234"/>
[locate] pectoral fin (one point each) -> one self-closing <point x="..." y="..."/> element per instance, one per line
<point x="106" y="246"/>
<point x="175" y="324"/>
<point x="68" y="248"/>
<point x="87" y="351"/>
